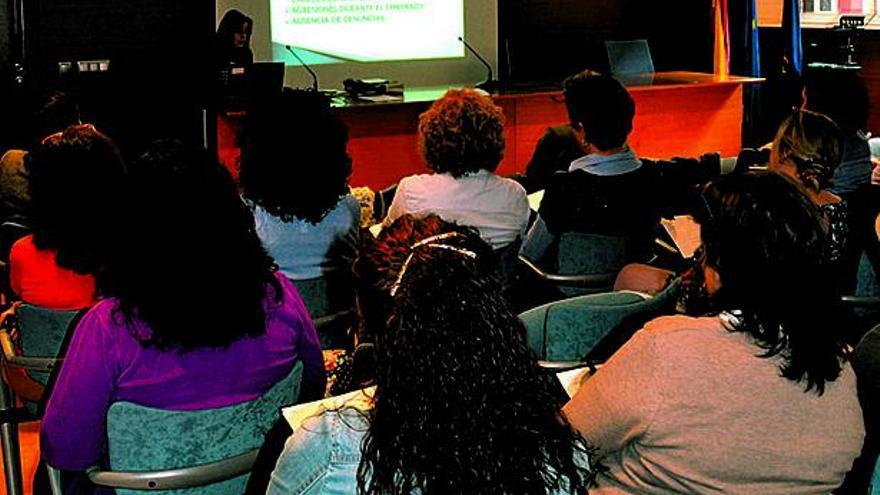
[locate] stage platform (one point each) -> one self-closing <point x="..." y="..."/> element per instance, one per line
<point x="677" y="114"/>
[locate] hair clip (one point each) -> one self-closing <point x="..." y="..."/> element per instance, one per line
<point x="431" y="242"/>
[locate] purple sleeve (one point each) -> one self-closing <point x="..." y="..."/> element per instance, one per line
<point x="308" y="346"/>
<point x="73" y="430"/>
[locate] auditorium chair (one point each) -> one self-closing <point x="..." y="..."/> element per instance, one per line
<point x="874" y="489"/>
<point x="585" y="263"/>
<point x="32" y="339"/>
<point x="574" y="329"/>
<point x="207" y="452"/>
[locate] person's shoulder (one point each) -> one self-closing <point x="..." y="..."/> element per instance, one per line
<point x="13" y="158"/>
<point x="674" y="327"/>
<point x="511" y="186"/>
<point x="22" y="248"/>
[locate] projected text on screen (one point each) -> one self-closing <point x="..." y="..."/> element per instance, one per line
<point x="369" y="30"/>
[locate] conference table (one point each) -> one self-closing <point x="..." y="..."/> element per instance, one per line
<point x="677" y="114"/>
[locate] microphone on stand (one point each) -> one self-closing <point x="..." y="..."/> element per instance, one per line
<point x="490" y="85"/>
<point x="305" y="66"/>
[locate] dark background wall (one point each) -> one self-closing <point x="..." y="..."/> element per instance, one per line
<point x="160" y="64"/>
<point x="548" y="39"/>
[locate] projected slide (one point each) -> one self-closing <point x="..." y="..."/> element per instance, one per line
<point x="327" y="31"/>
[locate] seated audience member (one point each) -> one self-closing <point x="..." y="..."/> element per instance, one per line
<point x="759" y="398"/>
<point x="75" y="178"/>
<point x="294" y="176"/>
<point x="195" y="318"/>
<point x="808" y="148"/>
<point x="866" y="362"/>
<point x="843" y="97"/>
<point x="462" y="140"/>
<point x="460" y="405"/>
<point x="58" y="112"/>
<point x="607" y="189"/>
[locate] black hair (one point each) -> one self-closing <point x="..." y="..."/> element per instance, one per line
<point x="74" y="179"/>
<point x="602" y="107"/>
<point x="58" y="111"/>
<point x="767" y="240"/>
<point x="187" y="262"/>
<point x="232" y="23"/>
<point x="461" y="405"/>
<point x="842" y="96"/>
<point x="294" y="161"/>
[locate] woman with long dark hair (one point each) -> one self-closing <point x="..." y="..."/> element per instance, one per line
<point x="460" y="405"/>
<point x="75" y="177"/>
<point x="232" y="43"/>
<point x="758" y="398"/>
<point x="196" y="316"/>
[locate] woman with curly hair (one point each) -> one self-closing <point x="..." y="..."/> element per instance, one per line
<point x="462" y="140"/>
<point x="196" y="316"/>
<point x="75" y="177"/>
<point x="460" y="405"/>
<point x="759" y="398"/>
<point x="294" y="175"/>
<point x="808" y="148"/>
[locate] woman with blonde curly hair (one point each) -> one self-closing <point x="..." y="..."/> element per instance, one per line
<point x="462" y="140"/>
<point x="808" y="148"/>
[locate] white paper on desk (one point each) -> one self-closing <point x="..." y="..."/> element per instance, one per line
<point x="535" y="200"/>
<point x="381" y="98"/>
<point x="685" y="232"/>
<point x="296" y="415"/>
<point x="572" y="380"/>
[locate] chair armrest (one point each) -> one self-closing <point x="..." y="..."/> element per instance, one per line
<point x="591" y="280"/>
<point x="560" y="366"/>
<point x="869" y="302"/>
<point x="332" y="318"/>
<point x="45" y="365"/>
<point x="174" y="479"/>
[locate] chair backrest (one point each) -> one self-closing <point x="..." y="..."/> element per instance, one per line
<point x="570" y="329"/>
<point x="874" y="488"/>
<point x="867" y="284"/>
<point x="43" y="332"/>
<point x="330" y="302"/>
<point x="147" y="439"/>
<point x="589" y="254"/>
<point x="627" y="58"/>
<point x="506" y="259"/>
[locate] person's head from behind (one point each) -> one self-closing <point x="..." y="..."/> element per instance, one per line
<point x="75" y="180"/>
<point x="600" y="110"/>
<point x="808" y="148"/>
<point x="455" y="375"/>
<point x="187" y="261"/>
<point x="462" y="133"/>
<point x="234" y="30"/>
<point x="294" y="161"/>
<point x="763" y="241"/>
<point x="57" y="112"/>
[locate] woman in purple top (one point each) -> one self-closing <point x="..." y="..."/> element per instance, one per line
<point x="196" y="316"/>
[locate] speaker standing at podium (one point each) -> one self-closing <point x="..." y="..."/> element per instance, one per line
<point x="232" y="43"/>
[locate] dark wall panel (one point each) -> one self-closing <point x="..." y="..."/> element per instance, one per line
<point x="549" y="39"/>
<point x="159" y="53"/>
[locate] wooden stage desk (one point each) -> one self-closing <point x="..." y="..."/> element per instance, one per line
<point x="677" y="114"/>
